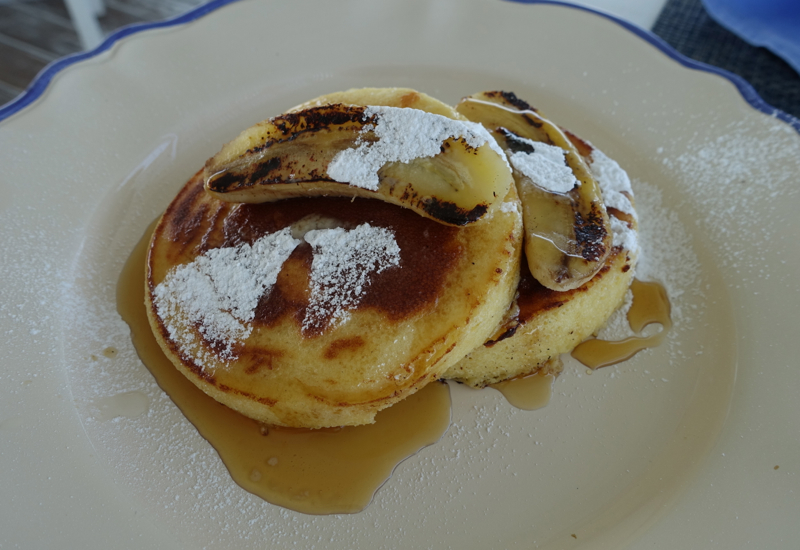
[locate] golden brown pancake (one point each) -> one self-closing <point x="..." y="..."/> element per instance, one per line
<point x="311" y="350"/>
<point x="545" y="323"/>
<point x="542" y="323"/>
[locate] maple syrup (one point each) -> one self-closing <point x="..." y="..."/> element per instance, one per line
<point x="312" y="471"/>
<point x="332" y="471"/>
<point x="529" y="392"/>
<point x="650" y="305"/>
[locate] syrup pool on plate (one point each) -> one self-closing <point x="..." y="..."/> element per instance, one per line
<point x="338" y="470"/>
<point x="325" y="471"/>
<point x="650" y="305"/>
<point x="529" y="392"/>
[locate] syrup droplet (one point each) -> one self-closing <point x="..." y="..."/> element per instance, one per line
<point x="311" y="471"/>
<point x="650" y="305"/>
<point x="529" y="392"/>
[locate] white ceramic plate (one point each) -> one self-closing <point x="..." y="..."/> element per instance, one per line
<point x="694" y="445"/>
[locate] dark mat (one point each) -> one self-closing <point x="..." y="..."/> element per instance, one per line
<point x="688" y="28"/>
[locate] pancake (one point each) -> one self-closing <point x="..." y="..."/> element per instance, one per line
<point x="542" y="324"/>
<point x="317" y="312"/>
<point x="390" y="97"/>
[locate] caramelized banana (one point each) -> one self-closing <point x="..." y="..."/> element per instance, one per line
<point x="567" y="229"/>
<point x="448" y="170"/>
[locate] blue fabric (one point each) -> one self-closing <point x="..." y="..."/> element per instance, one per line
<point x="774" y="24"/>
<point x="688" y="27"/>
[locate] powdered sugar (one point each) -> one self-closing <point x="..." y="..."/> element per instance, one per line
<point x="666" y="256"/>
<point x="614" y="185"/>
<point x="613" y="182"/>
<point x="741" y="181"/>
<point x="344" y="262"/>
<point x="403" y="135"/>
<point x="510" y="207"/>
<point x="622" y="235"/>
<point x="546" y="166"/>
<point x="218" y="292"/>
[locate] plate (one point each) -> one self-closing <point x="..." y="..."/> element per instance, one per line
<point x="693" y="444"/>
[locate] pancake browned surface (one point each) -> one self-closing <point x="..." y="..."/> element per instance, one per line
<point x="543" y="324"/>
<point x="335" y="353"/>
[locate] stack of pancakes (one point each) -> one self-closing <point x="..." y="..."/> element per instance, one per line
<point x="326" y="306"/>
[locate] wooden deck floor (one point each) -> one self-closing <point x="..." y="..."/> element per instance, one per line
<point x="35" y="32"/>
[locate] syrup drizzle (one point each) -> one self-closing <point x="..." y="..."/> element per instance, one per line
<point x="650" y="305"/>
<point x="529" y="392"/>
<point x="338" y="470"/>
<point x="311" y="471"/>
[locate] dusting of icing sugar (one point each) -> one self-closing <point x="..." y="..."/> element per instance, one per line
<point x="546" y="166"/>
<point x="622" y="235"/>
<point x="740" y="182"/>
<point x="403" y="135"/>
<point x="666" y="255"/>
<point x="615" y="185"/>
<point x="344" y="261"/>
<point x="219" y="292"/>
<point x="510" y="207"/>
<point x="613" y="182"/>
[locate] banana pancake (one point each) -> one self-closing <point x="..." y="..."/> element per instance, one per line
<point x="320" y="311"/>
<point x="543" y="323"/>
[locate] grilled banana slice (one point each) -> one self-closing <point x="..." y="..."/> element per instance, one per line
<point x="567" y="229"/>
<point x="445" y="169"/>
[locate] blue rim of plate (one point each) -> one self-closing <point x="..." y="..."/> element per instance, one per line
<point x="45" y="77"/>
